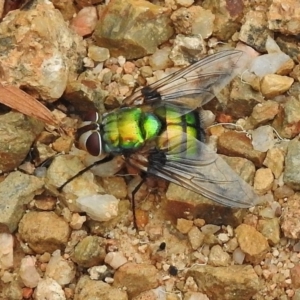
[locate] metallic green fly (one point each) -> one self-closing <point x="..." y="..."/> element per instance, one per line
<point x="158" y="130"/>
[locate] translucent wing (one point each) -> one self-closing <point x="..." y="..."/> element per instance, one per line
<point x="194" y="85"/>
<point x="201" y="170"/>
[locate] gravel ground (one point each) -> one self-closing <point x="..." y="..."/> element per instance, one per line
<point x="80" y="242"/>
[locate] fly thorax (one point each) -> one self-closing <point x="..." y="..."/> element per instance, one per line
<point x="128" y="129"/>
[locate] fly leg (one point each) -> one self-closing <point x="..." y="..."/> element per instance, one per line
<point x="96" y="163"/>
<point x="135" y="190"/>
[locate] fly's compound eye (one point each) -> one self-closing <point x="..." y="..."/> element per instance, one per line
<point x="91" y="142"/>
<point x="91" y="116"/>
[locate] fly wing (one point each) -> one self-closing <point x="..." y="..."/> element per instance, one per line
<point x="201" y="170"/>
<point x="194" y="85"/>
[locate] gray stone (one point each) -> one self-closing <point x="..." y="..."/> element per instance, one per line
<point x="292" y="164"/>
<point x="17" y="133"/>
<point x="132" y="29"/>
<point x="16" y="191"/>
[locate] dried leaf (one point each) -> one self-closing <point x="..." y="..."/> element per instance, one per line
<point x="25" y="104"/>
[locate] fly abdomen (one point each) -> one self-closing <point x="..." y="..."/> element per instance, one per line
<point x="181" y="129"/>
<point x="128" y="129"/>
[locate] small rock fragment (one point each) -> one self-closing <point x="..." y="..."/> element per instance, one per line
<point x="99" y="207"/>
<point x="187" y="48"/>
<point x="295" y="276"/>
<point x="132" y="29"/>
<point x="137" y="278"/>
<point x="238" y="144"/>
<point x="6" y="251"/>
<point x="291" y="175"/>
<point x="85" y="21"/>
<point x="290" y="218"/>
<point x="275" y="161"/>
<point x="273" y="85"/>
<point x="227" y="16"/>
<point x="44" y="56"/>
<point x="284" y="17"/>
<point x="44" y="231"/>
<point x="49" y="289"/>
<point x="263" y="138"/>
<point x="194" y="20"/>
<point x="270" y="229"/>
<point x="115" y="259"/>
<point x="160" y="60"/>
<point x="97" y="290"/>
<point x="262" y="113"/>
<point x="218" y="257"/>
<point x="196" y="237"/>
<point x="28" y="272"/>
<point x="255" y="33"/>
<point x="252" y="242"/>
<point x="181" y="200"/>
<point x="17" y="133"/>
<point x="89" y="252"/>
<point x="263" y="181"/>
<point x="226" y="283"/>
<point x="98" y="54"/>
<point x="59" y="269"/>
<point x="184" y="226"/>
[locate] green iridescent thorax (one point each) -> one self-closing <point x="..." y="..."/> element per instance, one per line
<point x="128" y="129"/>
<point x="181" y="129"/>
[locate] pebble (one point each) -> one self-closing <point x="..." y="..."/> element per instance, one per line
<point x="262" y="113"/>
<point x="98" y="54"/>
<point x="238" y="144"/>
<point x="137" y="278"/>
<point x="160" y="59"/>
<point x="273" y="85"/>
<point x="115" y="259"/>
<point x="146" y="71"/>
<point x="196" y="237"/>
<point x="183" y="45"/>
<point x="263" y="181"/>
<point x="95" y="289"/>
<point x="210" y="228"/>
<point x="268" y="64"/>
<point x="263" y="138"/>
<point x="218" y="257"/>
<point x="6" y="251"/>
<point x="16" y="191"/>
<point x="226" y="283"/>
<point x="291" y="175"/>
<point x="44" y="231"/>
<point x="76" y="221"/>
<point x="275" y="161"/>
<point x="99" y="207"/>
<point x="184" y="225"/>
<point x="48" y="72"/>
<point x="85" y="21"/>
<point x="270" y="228"/>
<point x="290" y="218"/>
<point x="194" y="20"/>
<point x="255" y="33"/>
<point x="284" y="17"/>
<point x="48" y="288"/>
<point x="28" y="272"/>
<point x="61" y="270"/>
<point x="252" y="242"/>
<point x="89" y="252"/>
<point x="131" y="34"/>
<point x="238" y="256"/>
<point x="295" y="276"/>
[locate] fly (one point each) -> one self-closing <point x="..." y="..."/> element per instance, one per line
<point x="158" y="130"/>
